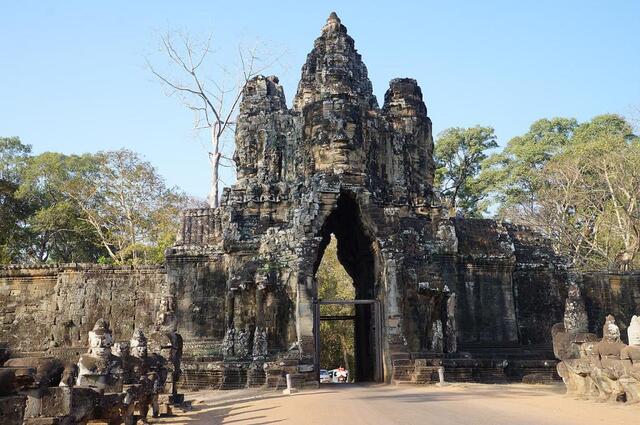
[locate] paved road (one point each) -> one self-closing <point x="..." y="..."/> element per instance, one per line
<point x="462" y="404"/>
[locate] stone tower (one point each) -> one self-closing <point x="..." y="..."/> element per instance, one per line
<point x="336" y="163"/>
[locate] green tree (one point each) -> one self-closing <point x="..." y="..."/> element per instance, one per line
<point x="459" y="154"/>
<point x="577" y="183"/>
<point x="112" y="205"/>
<point x="13" y="211"/>
<point x="336" y="337"/>
<point x="589" y="198"/>
<point x="134" y="212"/>
<point x="57" y="231"/>
<point x="513" y="176"/>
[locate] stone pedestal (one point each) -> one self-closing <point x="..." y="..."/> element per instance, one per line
<point x="12" y="409"/>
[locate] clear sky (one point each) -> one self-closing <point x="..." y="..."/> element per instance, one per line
<point x="73" y="76"/>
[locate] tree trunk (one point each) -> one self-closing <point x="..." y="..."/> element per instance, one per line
<point x="345" y="355"/>
<point x="214" y="157"/>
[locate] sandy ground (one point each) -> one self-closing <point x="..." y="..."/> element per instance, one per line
<point x="468" y="404"/>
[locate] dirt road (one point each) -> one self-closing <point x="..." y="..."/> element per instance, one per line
<point x="461" y="404"/>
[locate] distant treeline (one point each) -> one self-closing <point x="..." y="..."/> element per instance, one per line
<point x="578" y="183"/>
<point x="108" y="207"/>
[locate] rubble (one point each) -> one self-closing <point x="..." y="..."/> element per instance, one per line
<point x="604" y="370"/>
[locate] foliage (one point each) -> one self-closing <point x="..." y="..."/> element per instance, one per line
<point x="56" y="229"/>
<point x="13" y="211"/>
<point x="577" y="183"/>
<point x="589" y="200"/>
<point x="336" y="337"/>
<point x="513" y="175"/>
<point x="459" y="154"/>
<point x="109" y="207"/>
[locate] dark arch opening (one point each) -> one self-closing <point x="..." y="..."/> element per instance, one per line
<point x="355" y="253"/>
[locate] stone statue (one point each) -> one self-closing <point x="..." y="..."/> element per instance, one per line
<point x="260" y="343"/>
<point x="452" y="327"/>
<point x="574" y="347"/>
<point x="167" y="326"/>
<point x="242" y="346"/>
<point x="69" y="376"/>
<point x="142" y="374"/>
<point x="437" y="337"/>
<point x="99" y="368"/>
<point x="40" y="371"/>
<point x="630" y="357"/>
<point x="228" y="343"/>
<point x="575" y="313"/>
<point x="609" y="368"/>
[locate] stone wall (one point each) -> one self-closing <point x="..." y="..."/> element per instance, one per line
<point x="52" y="308"/>
<point x="611" y="293"/>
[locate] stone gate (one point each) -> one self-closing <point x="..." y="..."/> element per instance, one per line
<point x="338" y="163"/>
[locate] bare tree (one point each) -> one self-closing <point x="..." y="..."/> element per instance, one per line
<point x="212" y="96"/>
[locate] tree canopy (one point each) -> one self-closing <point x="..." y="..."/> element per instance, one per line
<point x="105" y="207"/>
<point x="336" y="337"/>
<point x="459" y="154"/>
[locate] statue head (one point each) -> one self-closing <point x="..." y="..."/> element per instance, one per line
<point x="633" y="331"/>
<point x="100" y="338"/>
<point x="168" y="303"/>
<point x="166" y="318"/>
<point x="138" y="344"/>
<point x="261" y="278"/>
<point x="574" y="292"/>
<point x="121" y="349"/>
<point x="333" y="128"/>
<point x="587" y="349"/>
<point x="610" y="331"/>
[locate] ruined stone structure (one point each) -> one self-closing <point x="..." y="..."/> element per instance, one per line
<point x="236" y="303"/>
<point x="604" y="369"/>
<point x="338" y="163"/>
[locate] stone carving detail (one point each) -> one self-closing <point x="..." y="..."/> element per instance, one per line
<point x="437" y="337"/>
<point x="168" y="341"/>
<point x="99" y="368"/>
<point x="575" y="313"/>
<point x="633" y="331"/>
<point x="452" y="330"/>
<point x="144" y="372"/>
<point x="630" y="357"/>
<point x="242" y="345"/>
<point x="259" y="344"/>
<point x="228" y="343"/>
<point x="605" y="370"/>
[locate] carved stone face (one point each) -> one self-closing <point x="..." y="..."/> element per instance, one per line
<point x="574" y="292"/>
<point x="333" y="129"/>
<point x="138" y="344"/>
<point x="610" y="331"/>
<point x="120" y="349"/>
<point x="100" y="338"/>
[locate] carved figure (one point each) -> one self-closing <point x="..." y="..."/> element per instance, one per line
<point x="452" y="327"/>
<point x="259" y="343"/>
<point x="167" y="327"/>
<point x="242" y="346"/>
<point x="630" y="357"/>
<point x="143" y="375"/>
<point x="99" y="368"/>
<point x="437" y="336"/>
<point x="609" y="368"/>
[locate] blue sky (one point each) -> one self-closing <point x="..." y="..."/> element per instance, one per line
<point x="73" y="76"/>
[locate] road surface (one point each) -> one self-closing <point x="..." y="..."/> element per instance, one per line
<point x="459" y="404"/>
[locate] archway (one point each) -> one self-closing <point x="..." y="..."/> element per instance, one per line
<point x="355" y="253"/>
